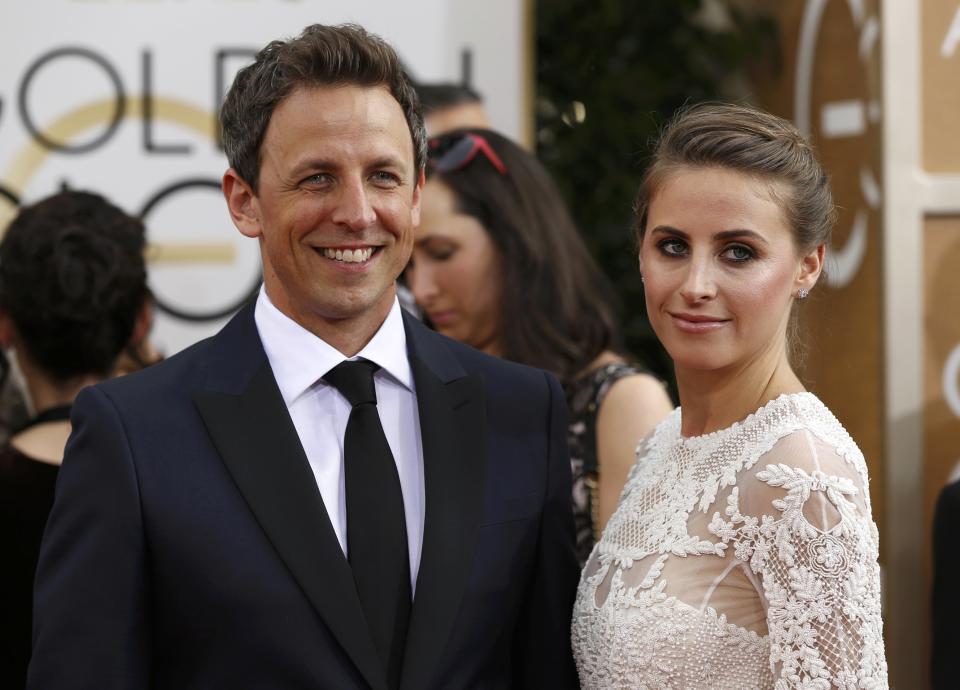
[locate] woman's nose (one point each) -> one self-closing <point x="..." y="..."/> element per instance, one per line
<point x="699" y="283"/>
<point x="421" y="283"/>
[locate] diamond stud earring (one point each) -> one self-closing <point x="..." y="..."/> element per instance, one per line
<point x="802" y="293"/>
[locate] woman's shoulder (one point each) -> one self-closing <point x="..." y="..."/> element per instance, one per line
<point x="610" y="371"/>
<point x="805" y="443"/>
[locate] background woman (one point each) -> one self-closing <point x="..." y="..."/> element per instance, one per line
<point x="498" y="264"/>
<point x="72" y="296"/>
<point x="743" y="552"/>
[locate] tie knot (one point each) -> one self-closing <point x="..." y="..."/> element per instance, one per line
<point x="354" y="380"/>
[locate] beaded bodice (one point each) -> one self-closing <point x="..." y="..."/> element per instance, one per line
<point x="744" y="558"/>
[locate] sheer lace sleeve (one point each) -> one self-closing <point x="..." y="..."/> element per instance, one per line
<point x="800" y="518"/>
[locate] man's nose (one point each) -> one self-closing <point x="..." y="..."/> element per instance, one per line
<point x="699" y="283"/>
<point x="353" y="208"/>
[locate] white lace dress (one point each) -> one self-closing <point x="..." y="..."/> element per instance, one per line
<point x="744" y="558"/>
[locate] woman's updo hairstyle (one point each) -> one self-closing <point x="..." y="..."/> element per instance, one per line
<point x="753" y="142"/>
<point x="73" y="280"/>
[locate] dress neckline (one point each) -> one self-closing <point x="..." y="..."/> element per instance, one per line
<point x="781" y="401"/>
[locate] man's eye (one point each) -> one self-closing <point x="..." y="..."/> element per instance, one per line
<point x="384" y="177"/>
<point x="317" y="179"/>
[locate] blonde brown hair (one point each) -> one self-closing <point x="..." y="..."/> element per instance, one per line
<point x="750" y="141"/>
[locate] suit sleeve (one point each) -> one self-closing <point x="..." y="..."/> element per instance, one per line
<point x="946" y="591"/>
<point x="89" y="629"/>
<point x="545" y="659"/>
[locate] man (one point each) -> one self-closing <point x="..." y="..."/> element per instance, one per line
<point x="254" y="513"/>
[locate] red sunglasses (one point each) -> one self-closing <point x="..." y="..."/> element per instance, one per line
<point x="448" y="154"/>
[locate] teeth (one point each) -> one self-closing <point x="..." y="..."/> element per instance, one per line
<point x="351" y="256"/>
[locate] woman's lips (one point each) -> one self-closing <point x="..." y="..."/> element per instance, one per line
<point x="442" y="318"/>
<point x="698" y="323"/>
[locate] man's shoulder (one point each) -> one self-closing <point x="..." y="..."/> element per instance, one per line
<point x="170" y="374"/>
<point x="207" y="362"/>
<point x="500" y="377"/>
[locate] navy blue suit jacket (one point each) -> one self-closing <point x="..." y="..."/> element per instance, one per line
<point x="189" y="547"/>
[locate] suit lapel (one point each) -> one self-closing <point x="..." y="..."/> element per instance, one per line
<point x="452" y="429"/>
<point x="257" y="441"/>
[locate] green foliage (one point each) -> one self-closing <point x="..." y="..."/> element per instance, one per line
<point x="609" y="73"/>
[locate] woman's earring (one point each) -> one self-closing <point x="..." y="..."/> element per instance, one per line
<point x="803" y="293"/>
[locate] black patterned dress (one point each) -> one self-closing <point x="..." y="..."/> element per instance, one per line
<point x="584" y="397"/>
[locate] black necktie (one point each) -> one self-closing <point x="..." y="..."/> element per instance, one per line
<point x="376" y="528"/>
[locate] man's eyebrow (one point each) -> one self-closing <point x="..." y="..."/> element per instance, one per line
<point x="314" y="164"/>
<point x="387" y="162"/>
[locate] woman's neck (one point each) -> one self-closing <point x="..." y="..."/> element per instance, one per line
<point x="45" y="391"/>
<point x="715" y="399"/>
<point x="46" y="442"/>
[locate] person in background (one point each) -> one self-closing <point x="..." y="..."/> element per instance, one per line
<point x="447" y="107"/>
<point x="72" y="292"/>
<point x="743" y="553"/>
<point x="946" y="592"/>
<point x="498" y="264"/>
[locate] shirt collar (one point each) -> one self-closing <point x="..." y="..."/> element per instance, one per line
<point x="299" y="358"/>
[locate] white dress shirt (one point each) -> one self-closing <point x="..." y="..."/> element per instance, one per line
<point x="319" y="412"/>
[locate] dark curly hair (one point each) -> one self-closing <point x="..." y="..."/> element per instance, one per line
<point x="73" y="279"/>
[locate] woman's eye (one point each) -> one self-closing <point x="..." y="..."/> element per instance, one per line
<point x="672" y="247"/>
<point x="442" y="254"/>
<point x="738" y="253"/>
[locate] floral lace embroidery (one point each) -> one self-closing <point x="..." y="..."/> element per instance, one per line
<point x="819" y="585"/>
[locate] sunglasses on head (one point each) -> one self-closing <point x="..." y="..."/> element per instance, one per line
<point x="448" y="154"/>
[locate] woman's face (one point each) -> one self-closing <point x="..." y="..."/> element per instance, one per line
<point x="720" y="269"/>
<point x="455" y="272"/>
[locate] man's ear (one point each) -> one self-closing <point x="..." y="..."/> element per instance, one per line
<point x="242" y="204"/>
<point x="811" y="265"/>
<point x="417" y="193"/>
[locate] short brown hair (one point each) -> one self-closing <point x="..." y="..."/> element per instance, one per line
<point x="320" y="56"/>
<point x="754" y="142"/>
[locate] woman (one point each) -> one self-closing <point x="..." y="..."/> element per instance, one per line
<point x="498" y="264"/>
<point x="72" y="297"/>
<point x="743" y="553"/>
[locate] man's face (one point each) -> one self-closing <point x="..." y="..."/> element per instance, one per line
<point x="338" y="199"/>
